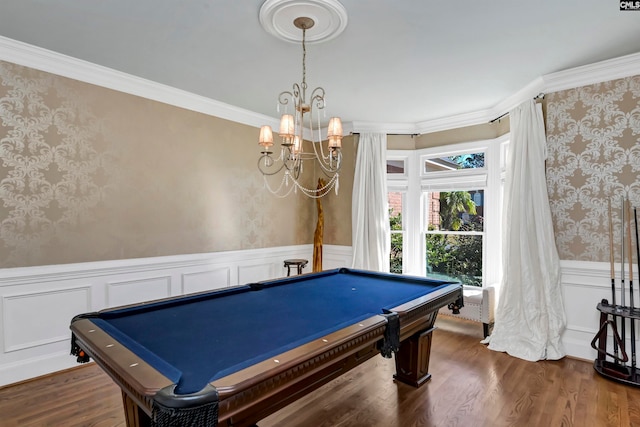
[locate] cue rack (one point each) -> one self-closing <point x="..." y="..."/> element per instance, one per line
<point x="614" y="317"/>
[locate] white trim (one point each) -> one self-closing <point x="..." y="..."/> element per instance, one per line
<point x="77" y="69"/>
<point x="530" y="91"/>
<point x="602" y="71"/>
<point x="21" y="275"/>
<point x="42" y="59"/>
<point x="456" y="121"/>
<point x="388" y="128"/>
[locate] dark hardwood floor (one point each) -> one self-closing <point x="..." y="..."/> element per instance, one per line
<point x="471" y="386"/>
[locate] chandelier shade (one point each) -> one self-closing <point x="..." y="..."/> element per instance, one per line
<point x="303" y="120"/>
<point x="266" y="138"/>
<point x="287" y="126"/>
<point x="334" y="133"/>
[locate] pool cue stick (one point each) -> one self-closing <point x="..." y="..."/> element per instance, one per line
<point x="635" y="218"/>
<point x="630" y="256"/>
<point x="613" y="281"/>
<point x="622" y="290"/>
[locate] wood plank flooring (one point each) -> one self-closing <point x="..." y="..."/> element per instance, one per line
<point x="471" y="386"/>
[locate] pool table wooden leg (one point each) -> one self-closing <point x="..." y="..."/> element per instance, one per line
<point x="134" y="415"/>
<point x="412" y="360"/>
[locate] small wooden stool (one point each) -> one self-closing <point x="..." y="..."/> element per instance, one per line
<point x="298" y="263"/>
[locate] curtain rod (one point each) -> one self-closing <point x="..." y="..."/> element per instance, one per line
<point x="535" y="98"/>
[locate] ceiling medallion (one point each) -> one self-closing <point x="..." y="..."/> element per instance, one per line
<point x="329" y="17"/>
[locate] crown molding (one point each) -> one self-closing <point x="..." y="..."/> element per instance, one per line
<point x="611" y="69"/>
<point x="530" y="91"/>
<point x="66" y="66"/>
<point x="388" y="128"/>
<point x="45" y="60"/>
<point x="455" y="121"/>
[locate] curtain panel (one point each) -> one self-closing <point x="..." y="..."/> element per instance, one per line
<point x="530" y="316"/>
<point x="370" y="210"/>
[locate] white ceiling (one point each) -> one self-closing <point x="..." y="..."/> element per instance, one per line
<point x="402" y="61"/>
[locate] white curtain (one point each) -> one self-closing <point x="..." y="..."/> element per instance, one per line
<point x="370" y="212"/>
<point x="530" y="316"/>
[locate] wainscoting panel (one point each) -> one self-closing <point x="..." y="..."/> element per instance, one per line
<point x="584" y="285"/>
<point x="38" y="303"/>
<point x="139" y="290"/>
<point x="206" y="280"/>
<point x="40" y="318"/>
<point x="337" y="257"/>
<point x="255" y="273"/>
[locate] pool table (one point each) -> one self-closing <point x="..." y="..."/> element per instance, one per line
<point x="234" y="356"/>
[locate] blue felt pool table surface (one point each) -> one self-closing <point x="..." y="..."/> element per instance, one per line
<point x="196" y="339"/>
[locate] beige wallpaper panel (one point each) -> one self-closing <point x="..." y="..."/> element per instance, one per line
<point x="593" y="140"/>
<point x="464" y="134"/>
<point x="91" y="174"/>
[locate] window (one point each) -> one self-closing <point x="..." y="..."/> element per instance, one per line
<point x="397" y="177"/>
<point x="395" y="167"/>
<point x="449" y="225"/>
<point x="454" y="235"/>
<point x="454" y="162"/>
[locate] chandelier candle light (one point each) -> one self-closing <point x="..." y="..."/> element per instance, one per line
<point x="292" y="156"/>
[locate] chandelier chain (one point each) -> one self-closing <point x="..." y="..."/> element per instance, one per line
<point x="304" y="59"/>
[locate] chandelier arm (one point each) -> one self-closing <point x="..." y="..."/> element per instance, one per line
<point x="288" y="164"/>
<point x="323" y="160"/>
<point x="266" y="172"/>
<point x="283" y="98"/>
<point x="318" y="98"/>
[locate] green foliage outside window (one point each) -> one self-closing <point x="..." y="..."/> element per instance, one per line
<point x="456" y="256"/>
<point x="395" y="221"/>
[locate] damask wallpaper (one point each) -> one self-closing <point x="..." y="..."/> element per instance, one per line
<point x="593" y="140"/>
<point x="90" y="174"/>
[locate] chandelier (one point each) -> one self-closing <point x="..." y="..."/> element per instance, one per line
<point x="291" y="158"/>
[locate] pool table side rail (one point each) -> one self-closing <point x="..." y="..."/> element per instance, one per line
<point x="343" y="339"/>
<point x="135" y="376"/>
<point x="265" y="388"/>
<point x="413" y="313"/>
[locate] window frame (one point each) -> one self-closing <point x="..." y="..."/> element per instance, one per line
<point x="416" y="182"/>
